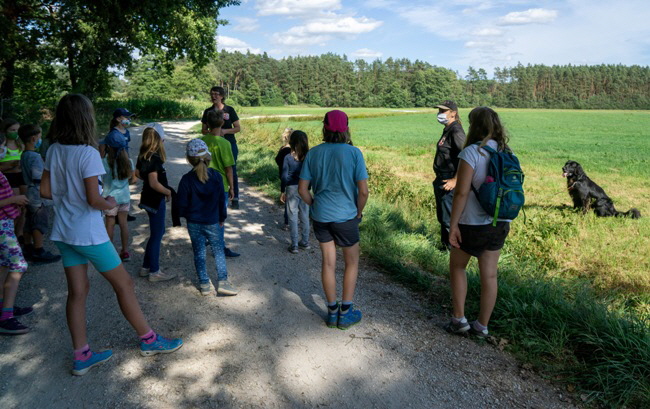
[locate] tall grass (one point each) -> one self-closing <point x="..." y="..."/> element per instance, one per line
<point x="582" y="324"/>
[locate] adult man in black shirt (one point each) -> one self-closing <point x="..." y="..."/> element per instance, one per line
<point x="445" y="165"/>
<point x="230" y="127"/>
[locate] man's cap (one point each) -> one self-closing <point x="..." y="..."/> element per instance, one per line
<point x="448" y="105"/>
<point x="122" y="112"/>
<point x="336" y="121"/>
<point x="197" y="148"/>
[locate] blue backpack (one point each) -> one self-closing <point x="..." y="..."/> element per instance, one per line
<point x="502" y="193"/>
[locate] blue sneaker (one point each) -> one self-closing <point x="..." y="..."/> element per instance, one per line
<point x="161" y="345"/>
<point x="80" y="368"/>
<point x="350" y="318"/>
<point x="333" y="316"/>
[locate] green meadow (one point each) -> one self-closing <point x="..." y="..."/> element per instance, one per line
<point x="574" y="294"/>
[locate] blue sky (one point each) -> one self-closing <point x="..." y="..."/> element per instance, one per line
<point x="452" y="34"/>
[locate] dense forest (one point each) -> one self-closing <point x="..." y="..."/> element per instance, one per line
<point x="333" y="80"/>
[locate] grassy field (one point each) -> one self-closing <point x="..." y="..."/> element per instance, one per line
<point x="574" y="289"/>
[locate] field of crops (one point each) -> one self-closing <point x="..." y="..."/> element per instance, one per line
<point x="574" y="288"/>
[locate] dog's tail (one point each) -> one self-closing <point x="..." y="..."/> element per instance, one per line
<point x="632" y="214"/>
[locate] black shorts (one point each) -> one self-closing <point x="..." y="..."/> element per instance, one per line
<point x="15" y="179"/>
<point x="36" y="219"/>
<point x="344" y="234"/>
<point x="476" y="239"/>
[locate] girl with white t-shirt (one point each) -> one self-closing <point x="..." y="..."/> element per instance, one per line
<point x="471" y="232"/>
<point x="71" y="178"/>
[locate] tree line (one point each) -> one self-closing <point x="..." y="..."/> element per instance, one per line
<point x="334" y="80"/>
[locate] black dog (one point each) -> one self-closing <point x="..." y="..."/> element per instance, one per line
<point x="586" y="194"/>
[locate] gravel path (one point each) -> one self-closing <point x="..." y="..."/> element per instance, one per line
<point x="267" y="347"/>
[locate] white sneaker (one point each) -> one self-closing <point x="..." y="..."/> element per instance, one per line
<point x="144" y="272"/>
<point x="206" y="289"/>
<point x="226" y="288"/>
<point x="160" y="276"/>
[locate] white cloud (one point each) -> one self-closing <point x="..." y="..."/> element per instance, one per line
<point x="295" y="7"/>
<point x="232" y="44"/>
<point x="488" y="32"/>
<point x="323" y="29"/>
<point x="366" y="53"/>
<point x="530" y="16"/>
<point x="246" y="24"/>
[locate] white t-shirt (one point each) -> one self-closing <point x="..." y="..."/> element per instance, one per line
<point x="478" y="159"/>
<point x="75" y="221"/>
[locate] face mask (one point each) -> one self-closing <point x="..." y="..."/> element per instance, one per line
<point x="12" y="135"/>
<point x="3" y="152"/>
<point x="38" y="144"/>
<point x="126" y="122"/>
<point x="442" y="118"/>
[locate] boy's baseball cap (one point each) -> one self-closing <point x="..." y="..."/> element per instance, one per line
<point x="197" y="148"/>
<point x="336" y="121"/>
<point x="448" y="105"/>
<point x="122" y="112"/>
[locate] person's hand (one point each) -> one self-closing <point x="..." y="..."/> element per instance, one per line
<point x="283" y="197"/>
<point x="221" y="224"/>
<point x="111" y="201"/>
<point x="168" y="195"/>
<point x="20" y="200"/>
<point x="231" y="193"/>
<point x="449" y="184"/>
<point x="454" y="236"/>
<point x="359" y="215"/>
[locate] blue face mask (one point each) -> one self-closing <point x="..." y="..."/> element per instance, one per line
<point x="38" y="144"/>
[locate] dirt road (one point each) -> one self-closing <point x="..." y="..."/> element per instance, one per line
<point x="266" y="347"/>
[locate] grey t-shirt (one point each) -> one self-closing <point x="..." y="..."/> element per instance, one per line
<point x="31" y="164"/>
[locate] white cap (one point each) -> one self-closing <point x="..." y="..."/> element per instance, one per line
<point x="158" y="128"/>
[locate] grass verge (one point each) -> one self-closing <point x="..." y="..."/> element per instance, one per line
<point x="597" y="345"/>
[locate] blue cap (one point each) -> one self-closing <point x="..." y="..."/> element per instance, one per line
<point x="116" y="140"/>
<point x="121" y="112"/>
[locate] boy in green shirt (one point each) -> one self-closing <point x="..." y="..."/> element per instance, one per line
<point x="222" y="160"/>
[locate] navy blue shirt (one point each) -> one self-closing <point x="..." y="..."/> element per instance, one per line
<point x="290" y="172"/>
<point x="202" y="203"/>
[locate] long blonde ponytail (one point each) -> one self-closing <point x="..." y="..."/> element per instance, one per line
<point x="200" y="166"/>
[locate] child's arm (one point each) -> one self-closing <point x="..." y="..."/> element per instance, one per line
<point x="303" y="191"/>
<point x="362" y="197"/>
<point x="9" y="166"/>
<point x="157" y="186"/>
<point x="231" y="190"/>
<point x="20" y="200"/>
<point x="93" y="198"/>
<point x="46" y="187"/>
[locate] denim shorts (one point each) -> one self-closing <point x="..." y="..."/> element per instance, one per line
<point x="103" y="256"/>
<point x="344" y="234"/>
<point x="476" y="239"/>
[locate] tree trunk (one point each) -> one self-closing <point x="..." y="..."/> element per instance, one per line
<point x="7" y="87"/>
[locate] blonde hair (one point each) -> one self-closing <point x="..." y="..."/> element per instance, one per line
<point x="286" y="134"/>
<point x="74" y="122"/>
<point x="200" y="166"/>
<point x="151" y="143"/>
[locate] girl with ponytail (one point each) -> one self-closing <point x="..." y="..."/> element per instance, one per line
<point x="202" y="202"/>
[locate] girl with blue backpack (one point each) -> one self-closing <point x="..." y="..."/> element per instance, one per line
<point x="472" y="231"/>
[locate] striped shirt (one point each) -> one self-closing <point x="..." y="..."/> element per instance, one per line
<point x="9" y="211"/>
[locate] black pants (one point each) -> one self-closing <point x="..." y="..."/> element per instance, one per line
<point x="444" y="199"/>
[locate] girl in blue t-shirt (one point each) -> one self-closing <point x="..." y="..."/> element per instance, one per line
<point x="296" y="207"/>
<point x="71" y="179"/>
<point x="119" y="173"/>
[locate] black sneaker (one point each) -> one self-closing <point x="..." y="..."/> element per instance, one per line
<point x="235" y="204"/>
<point x="130" y="218"/>
<point x="43" y="256"/>
<point x="12" y="327"/>
<point x="230" y="254"/>
<point x="458" y="328"/>
<point x="22" y="311"/>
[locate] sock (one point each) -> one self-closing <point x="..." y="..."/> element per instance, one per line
<point x="478" y="326"/>
<point x="345" y="306"/>
<point x="82" y="354"/>
<point x="332" y="306"/>
<point x="7" y="313"/>
<point x="461" y="320"/>
<point x="149" y="337"/>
